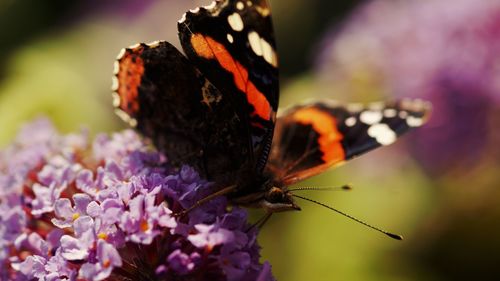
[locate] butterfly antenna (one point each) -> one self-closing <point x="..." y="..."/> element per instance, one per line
<point x="392" y="235"/>
<point x="345" y="187"/>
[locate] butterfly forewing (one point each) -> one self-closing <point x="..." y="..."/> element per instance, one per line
<point x="232" y="43"/>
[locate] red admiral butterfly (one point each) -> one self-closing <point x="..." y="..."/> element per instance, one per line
<point x="214" y="108"/>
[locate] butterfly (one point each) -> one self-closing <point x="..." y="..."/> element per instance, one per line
<point x="215" y="108"/>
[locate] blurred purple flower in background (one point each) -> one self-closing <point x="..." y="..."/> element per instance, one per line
<point x="447" y="52"/>
<point x="70" y="209"/>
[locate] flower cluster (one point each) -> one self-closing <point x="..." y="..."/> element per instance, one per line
<point x="73" y="209"/>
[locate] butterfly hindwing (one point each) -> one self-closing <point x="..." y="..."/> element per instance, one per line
<point x="161" y="93"/>
<point x="232" y="43"/>
<point x="311" y="138"/>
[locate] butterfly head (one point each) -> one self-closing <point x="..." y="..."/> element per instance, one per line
<point x="278" y="199"/>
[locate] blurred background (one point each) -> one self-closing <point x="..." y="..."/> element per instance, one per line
<point x="439" y="186"/>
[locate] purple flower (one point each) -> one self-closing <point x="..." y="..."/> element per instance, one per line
<point x="209" y="236"/>
<point x="265" y="274"/>
<point x="235" y="263"/>
<point x="141" y="221"/>
<point x="443" y="51"/>
<point x="79" y="247"/>
<point x="63" y="209"/>
<point x="57" y="171"/>
<point x="108" y="258"/>
<point x="46" y="197"/>
<point x="33" y="267"/>
<point x="58" y="267"/>
<point x="71" y="209"/>
<point x="183" y="263"/>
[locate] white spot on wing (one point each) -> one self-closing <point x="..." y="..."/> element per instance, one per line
<point x="114" y="85"/>
<point x="370" y="117"/>
<point x="230" y="38"/>
<point x="262" y="48"/>
<point x="235" y="22"/>
<point x="382" y="133"/>
<point x="390" y="113"/>
<point x="268" y="52"/>
<point x="116" y="99"/>
<point x="135" y="46"/>
<point x="196" y="10"/>
<point x="153" y="44"/>
<point x="133" y="122"/>
<point x="116" y="68"/>
<point x="125" y="117"/>
<point x="183" y="18"/>
<point x="351" y="121"/>
<point x="121" y="54"/>
<point x="413" y="121"/>
<point x="211" y="6"/>
<point x="240" y="6"/>
<point x="249" y="3"/>
<point x="254" y="40"/>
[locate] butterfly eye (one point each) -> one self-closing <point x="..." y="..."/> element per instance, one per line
<point x="275" y="195"/>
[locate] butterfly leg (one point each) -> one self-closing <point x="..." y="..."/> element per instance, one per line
<point x="260" y="223"/>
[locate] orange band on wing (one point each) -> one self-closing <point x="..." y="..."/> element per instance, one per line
<point x="129" y="77"/>
<point x="208" y="48"/>
<point x="325" y="126"/>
